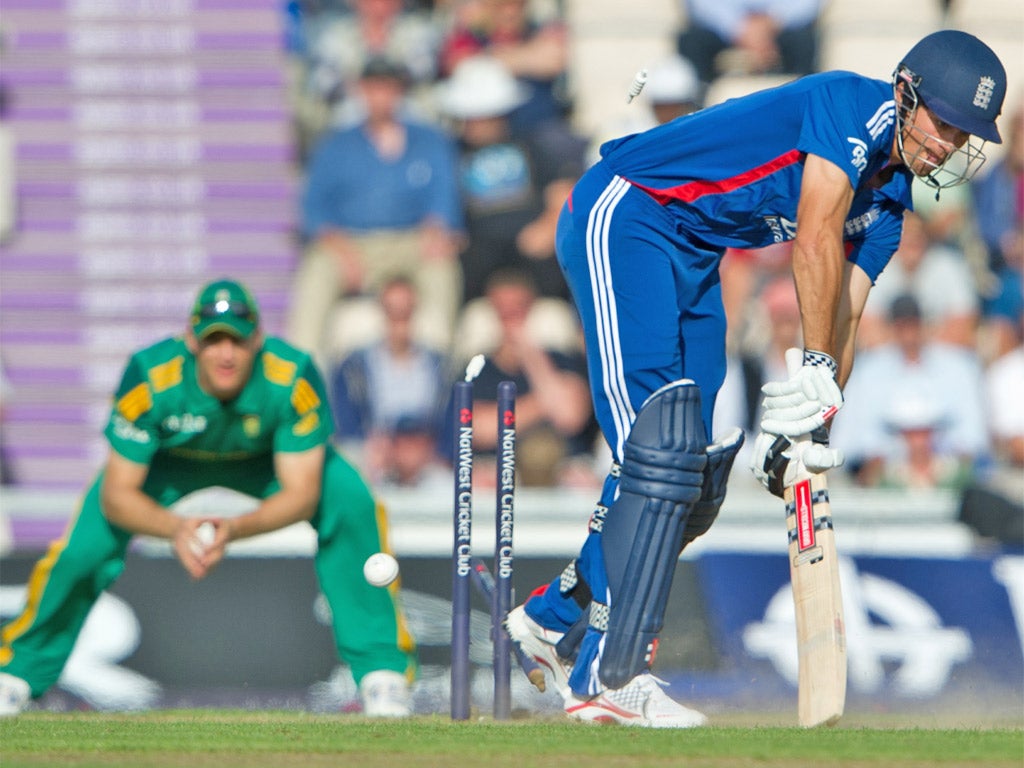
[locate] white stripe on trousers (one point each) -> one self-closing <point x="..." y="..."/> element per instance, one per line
<point x="606" y="315"/>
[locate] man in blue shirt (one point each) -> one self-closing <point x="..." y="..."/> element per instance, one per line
<point x="381" y="198"/>
<point x="826" y="162"/>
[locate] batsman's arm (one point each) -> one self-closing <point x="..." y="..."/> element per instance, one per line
<point x="818" y="255"/>
<point x="856" y="286"/>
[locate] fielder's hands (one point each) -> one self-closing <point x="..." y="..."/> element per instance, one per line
<point x="807" y="400"/>
<point x="199" y="557"/>
<point x="777" y="461"/>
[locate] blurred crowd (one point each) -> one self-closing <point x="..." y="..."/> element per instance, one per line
<point x="436" y="146"/>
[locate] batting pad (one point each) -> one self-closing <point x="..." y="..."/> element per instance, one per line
<point x="662" y="478"/>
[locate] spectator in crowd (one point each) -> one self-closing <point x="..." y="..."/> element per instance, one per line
<point x="8" y="171"/>
<point x="220" y="406"/>
<point x="999" y="208"/>
<point x="1002" y="310"/>
<point x="998" y="194"/>
<point x="381" y="197"/>
<point x="342" y="44"/>
<point x="1004" y="389"/>
<point x="553" y="411"/>
<point x="746" y="271"/>
<point x="917" y="463"/>
<point x="993" y="506"/>
<point x="912" y="384"/>
<point x="387" y="396"/>
<point x="750" y="36"/>
<point x="535" y="51"/>
<point x="512" y="188"/>
<point x="672" y="90"/>
<point x="747" y="369"/>
<point x="6" y="390"/>
<point x="938" y="277"/>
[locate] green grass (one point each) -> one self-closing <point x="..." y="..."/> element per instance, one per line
<point x="201" y="738"/>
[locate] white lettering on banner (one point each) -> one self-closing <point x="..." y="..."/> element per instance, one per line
<point x="186" y="228"/>
<point x="135" y="260"/>
<point x="110" y="189"/>
<point x="165" y="79"/>
<point x="912" y="640"/>
<point x="151" y="39"/>
<point x="147" y="8"/>
<point x="98" y="113"/>
<point x="110" y="634"/>
<point x="129" y="152"/>
<point x="1009" y="571"/>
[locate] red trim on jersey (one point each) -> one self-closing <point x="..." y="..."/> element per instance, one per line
<point x="539" y="590"/>
<point x="693" y="190"/>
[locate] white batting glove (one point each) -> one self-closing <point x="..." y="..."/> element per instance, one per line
<point x="778" y="462"/>
<point x="807" y="400"/>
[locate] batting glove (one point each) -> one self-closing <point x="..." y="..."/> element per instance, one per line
<point x="778" y="462"/>
<point x="807" y="400"/>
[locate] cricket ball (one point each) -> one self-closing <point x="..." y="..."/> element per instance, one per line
<point x="380" y="569"/>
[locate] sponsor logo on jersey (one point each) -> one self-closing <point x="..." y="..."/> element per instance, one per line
<point x="782" y="229"/>
<point x="882" y="119"/>
<point x="186" y="423"/>
<point x="125" y="430"/>
<point x="251" y="425"/>
<point x="859" y="158"/>
<point x="983" y="94"/>
<point x="859" y="224"/>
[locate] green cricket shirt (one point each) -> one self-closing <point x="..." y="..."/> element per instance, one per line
<point x="162" y="417"/>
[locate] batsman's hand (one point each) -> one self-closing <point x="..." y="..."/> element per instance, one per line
<point x="805" y="401"/>
<point x="778" y="462"/>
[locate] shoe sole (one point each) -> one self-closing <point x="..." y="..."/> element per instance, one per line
<point x="605" y="713"/>
<point x="517" y="624"/>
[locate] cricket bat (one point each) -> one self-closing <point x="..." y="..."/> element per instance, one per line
<point x="820" y="630"/>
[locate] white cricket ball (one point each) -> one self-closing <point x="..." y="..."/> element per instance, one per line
<point x="380" y="569"/>
<point x="202" y="538"/>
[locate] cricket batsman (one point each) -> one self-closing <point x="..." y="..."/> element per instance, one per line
<point x="223" y="405"/>
<point x="826" y="161"/>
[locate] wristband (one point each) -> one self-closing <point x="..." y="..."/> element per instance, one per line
<point x="812" y="357"/>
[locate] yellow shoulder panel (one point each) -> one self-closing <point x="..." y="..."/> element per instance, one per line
<point x="278" y="370"/>
<point x="306" y="424"/>
<point x="166" y="375"/>
<point x="135" y="402"/>
<point x="304" y="397"/>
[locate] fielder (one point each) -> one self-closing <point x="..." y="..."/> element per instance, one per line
<point x="826" y="161"/>
<point x="225" y="406"/>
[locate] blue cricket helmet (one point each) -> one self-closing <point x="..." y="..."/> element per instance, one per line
<point x="960" y="79"/>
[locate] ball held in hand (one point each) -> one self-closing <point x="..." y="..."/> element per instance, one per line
<point x="380" y="569"/>
<point x="203" y="538"/>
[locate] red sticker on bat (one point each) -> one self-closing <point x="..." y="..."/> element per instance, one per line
<point x="804" y="515"/>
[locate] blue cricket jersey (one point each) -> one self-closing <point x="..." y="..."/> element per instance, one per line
<point x="730" y="174"/>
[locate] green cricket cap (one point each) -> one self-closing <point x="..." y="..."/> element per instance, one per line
<point x="225" y="305"/>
